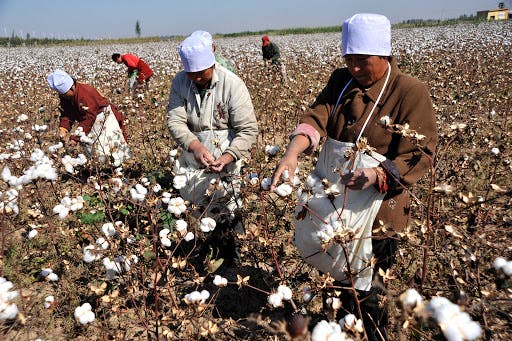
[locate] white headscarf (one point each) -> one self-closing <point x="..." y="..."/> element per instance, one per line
<point x="60" y="81"/>
<point x="366" y="33"/>
<point x="195" y="54"/>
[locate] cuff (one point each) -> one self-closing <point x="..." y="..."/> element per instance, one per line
<point x="309" y="131"/>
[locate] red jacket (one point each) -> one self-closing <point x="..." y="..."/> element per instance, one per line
<point x="83" y="108"/>
<point x="135" y="63"/>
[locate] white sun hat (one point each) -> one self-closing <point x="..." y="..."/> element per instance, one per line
<point x="366" y="33"/>
<point x="195" y="54"/>
<point x="60" y="81"/>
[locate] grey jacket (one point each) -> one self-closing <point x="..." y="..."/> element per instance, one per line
<point x="226" y="105"/>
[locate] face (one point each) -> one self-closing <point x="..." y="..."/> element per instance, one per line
<point x="201" y="78"/>
<point x="70" y="93"/>
<point x="366" y="69"/>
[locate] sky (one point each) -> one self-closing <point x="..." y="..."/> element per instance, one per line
<point x="99" y="19"/>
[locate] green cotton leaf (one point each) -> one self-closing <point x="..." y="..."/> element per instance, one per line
<point x="92" y="217"/>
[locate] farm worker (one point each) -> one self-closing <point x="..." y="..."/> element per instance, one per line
<point x="219" y="59"/>
<point x="100" y="125"/>
<point x="271" y="53"/>
<point x="139" y="72"/>
<point x="211" y="116"/>
<point x="366" y="167"/>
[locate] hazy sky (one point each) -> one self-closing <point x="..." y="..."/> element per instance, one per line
<point x="116" y="19"/>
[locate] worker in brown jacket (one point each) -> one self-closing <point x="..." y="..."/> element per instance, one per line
<point x="370" y="105"/>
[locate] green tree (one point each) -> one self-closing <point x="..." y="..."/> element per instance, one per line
<point x="137" y="29"/>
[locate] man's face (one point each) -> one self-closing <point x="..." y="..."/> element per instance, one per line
<point x="201" y="78"/>
<point x="366" y="69"/>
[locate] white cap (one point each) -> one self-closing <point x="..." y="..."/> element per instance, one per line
<point x="206" y="36"/>
<point x="195" y="54"/>
<point x="366" y="33"/>
<point x="60" y="81"/>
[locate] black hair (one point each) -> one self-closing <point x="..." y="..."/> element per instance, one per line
<point x="115" y="56"/>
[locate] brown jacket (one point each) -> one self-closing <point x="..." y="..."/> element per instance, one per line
<point x="405" y="100"/>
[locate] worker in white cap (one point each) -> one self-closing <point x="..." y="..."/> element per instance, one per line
<point x="211" y="117"/>
<point x="360" y="182"/>
<point x="219" y="59"/>
<point x="100" y="127"/>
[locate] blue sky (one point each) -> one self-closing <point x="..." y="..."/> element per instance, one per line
<point x="116" y="19"/>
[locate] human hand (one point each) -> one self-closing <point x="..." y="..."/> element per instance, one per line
<point x="361" y="178"/>
<point x="201" y="153"/>
<point x="219" y="164"/>
<point x="288" y="162"/>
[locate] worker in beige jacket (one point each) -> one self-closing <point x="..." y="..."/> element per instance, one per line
<point x="211" y="116"/>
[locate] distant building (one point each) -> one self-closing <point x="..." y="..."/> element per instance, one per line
<point x="496" y="14"/>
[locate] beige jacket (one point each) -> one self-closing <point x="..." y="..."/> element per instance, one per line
<point x="226" y="105"/>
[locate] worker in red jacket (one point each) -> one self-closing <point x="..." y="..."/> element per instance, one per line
<point x="139" y="71"/>
<point x="100" y="127"/>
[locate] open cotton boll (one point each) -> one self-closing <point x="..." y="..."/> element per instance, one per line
<point x="306" y="294"/>
<point x="271" y="150"/>
<point x="499" y="263"/>
<point x="181" y="226"/>
<point x="8" y="311"/>
<point x="220" y="281"/>
<point x="108" y="229"/>
<point x="48" y="301"/>
<point x="207" y="224"/>
<point x="32" y="234"/>
<point x="197" y="297"/>
<point x="411" y="298"/>
<point x="157" y="188"/>
<point x="327" y="331"/>
<point x="102" y="243"/>
<point x="275" y="300"/>
<point x="189" y="236"/>
<point x="49" y="275"/>
<point x="334" y="303"/>
<point x="55" y="147"/>
<point x="91" y="254"/>
<point x="265" y="183"/>
<point x="166" y="242"/>
<point x="84" y="314"/>
<point x="284" y="190"/>
<point x="179" y="181"/>
<point x="507" y="268"/>
<point x="285" y="292"/>
<point x="177" y="206"/>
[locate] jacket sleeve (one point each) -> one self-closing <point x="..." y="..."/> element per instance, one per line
<point x="417" y="112"/>
<point x="243" y="121"/>
<point x="177" y="117"/>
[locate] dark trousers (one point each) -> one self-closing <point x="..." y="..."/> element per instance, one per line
<point x="375" y="317"/>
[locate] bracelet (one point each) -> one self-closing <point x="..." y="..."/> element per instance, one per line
<point x="381" y="180"/>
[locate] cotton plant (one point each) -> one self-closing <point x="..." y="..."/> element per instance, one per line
<point x="40" y="128"/>
<point x="283" y="294"/>
<point x="164" y="237"/>
<point x="108" y="229"/>
<point x="42" y="168"/>
<point x="91" y="253"/>
<point x="84" y="314"/>
<point x="197" y="297"/>
<point x="49" y="275"/>
<point x="8" y="309"/>
<point x="55" y="147"/>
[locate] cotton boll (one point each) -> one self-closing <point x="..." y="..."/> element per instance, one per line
<point x="157" y="188"/>
<point x="6" y="174"/>
<point x="32" y="234"/>
<point x="327" y="331"/>
<point x="181" y="226"/>
<point x="265" y="183"/>
<point x="109" y="229"/>
<point x="83" y="314"/>
<point x="499" y="263"/>
<point x="8" y="311"/>
<point x="271" y="150"/>
<point x="91" y="254"/>
<point x="53" y="277"/>
<point x="452" y="333"/>
<point x="507" y="268"/>
<point x="163" y="233"/>
<point x="220" y="281"/>
<point x="207" y="224"/>
<point x="103" y="243"/>
<point x="166" y="242"/>
<point x="284" y="190"/>
<point x="189" y="236"/>
<point x="48" y="301"/>
<point x="495" y="151"/>
<point x="285" y="292"/>
<point x="306" y="294"/>
<point x="179" y="181"/>
<point x="411" y="298"/>
<point x="348" y="320"/>
<point x="275" y="300"/>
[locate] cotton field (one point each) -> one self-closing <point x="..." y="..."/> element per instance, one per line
<point x="89" y="253"/>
